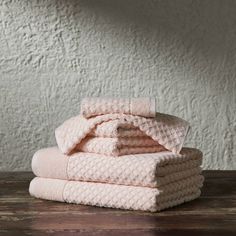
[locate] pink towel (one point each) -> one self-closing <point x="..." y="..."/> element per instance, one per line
<point x="148" y="170"/>
<point x="117" y="129"/>
<point x="117" y="196"/>
<point x="85" y="169"/>
<point x="119" y="146"/>
<point x="131" y="106"/>
<point x="168" y="131"/>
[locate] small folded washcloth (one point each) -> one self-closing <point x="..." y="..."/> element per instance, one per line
<point x="132" y="106"/>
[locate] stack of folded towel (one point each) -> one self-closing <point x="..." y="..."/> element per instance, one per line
<point x="119" y="153"/>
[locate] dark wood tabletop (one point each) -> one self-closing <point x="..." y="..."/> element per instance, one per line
<point x="214" y="213"/>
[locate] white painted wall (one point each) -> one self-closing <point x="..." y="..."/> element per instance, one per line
<point x="55" y="52"/>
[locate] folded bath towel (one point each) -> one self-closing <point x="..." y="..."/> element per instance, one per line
<point x="152" y="170"/>
<point x="117" y="196"/>
<point x="168" y="131"/>
<point x="132" y="106"/>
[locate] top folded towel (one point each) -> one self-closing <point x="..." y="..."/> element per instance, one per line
<point x="131" y="106"/>
<point x="168" y="131"/>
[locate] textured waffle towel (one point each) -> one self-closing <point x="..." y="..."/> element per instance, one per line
<point x="131" y="106"/>
<point x="157" y="174"/>
<point x="117" y="129"/>
<point x="168" y="131"/>
<point x="117" y="196"/>
<point x="150" y="170"/>
<point x="119" y="146"/>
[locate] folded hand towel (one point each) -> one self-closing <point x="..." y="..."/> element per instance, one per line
<point x="119" y="146"/>
<point x="117" y="196"/>
<point x="168" y="131"/>
<point x="152" y="170"/>
<point x="132" y="106"/>
<point x="116" y="129"/>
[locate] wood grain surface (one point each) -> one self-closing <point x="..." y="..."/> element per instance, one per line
<point x="214" y="213"/>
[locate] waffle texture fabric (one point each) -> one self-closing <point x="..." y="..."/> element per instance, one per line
<point x="116" y="129"/>
<point x="132" y="106"/>
<point x="148" y="170"/>
<point x="119" y="153"/>
<point x="117" y="196"/>
<point x="168" y="131"/>
<point x="119" y="146"/>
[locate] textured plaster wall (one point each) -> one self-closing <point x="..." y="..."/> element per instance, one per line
<point x="55" y="52"/>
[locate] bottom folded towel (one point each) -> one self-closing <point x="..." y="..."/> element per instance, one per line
<point x="117" y="196"/>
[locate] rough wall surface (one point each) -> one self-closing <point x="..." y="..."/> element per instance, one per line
<point x="54" y="52"/>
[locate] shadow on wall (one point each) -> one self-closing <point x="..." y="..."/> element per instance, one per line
<point x="204" y="32"/>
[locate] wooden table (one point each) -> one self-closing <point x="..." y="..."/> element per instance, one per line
<point x="212" y="214"/>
